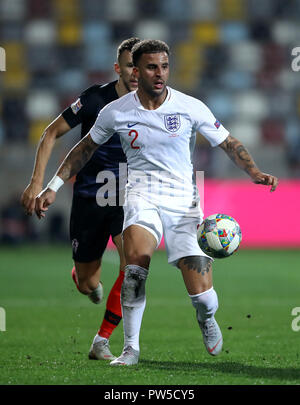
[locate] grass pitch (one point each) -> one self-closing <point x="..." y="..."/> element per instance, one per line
<point x="50" y="325"/>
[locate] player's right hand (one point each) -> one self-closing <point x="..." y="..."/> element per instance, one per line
<point x="28" y="197"/>
<point x="43" y="200"/>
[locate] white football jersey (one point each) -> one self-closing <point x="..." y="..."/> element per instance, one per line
<point x="159" y="143"/>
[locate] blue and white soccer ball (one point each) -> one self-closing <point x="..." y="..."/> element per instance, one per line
<point x="219" y="235"/>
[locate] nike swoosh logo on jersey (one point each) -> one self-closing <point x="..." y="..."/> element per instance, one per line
<point x="131" y="125"/>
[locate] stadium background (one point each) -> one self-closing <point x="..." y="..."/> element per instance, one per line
<point x="235" y="55"/>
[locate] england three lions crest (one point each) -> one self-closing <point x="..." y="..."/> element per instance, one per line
<point x="172" y="122"/>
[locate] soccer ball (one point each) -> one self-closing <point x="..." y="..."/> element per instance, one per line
<point x="219" y="236"/>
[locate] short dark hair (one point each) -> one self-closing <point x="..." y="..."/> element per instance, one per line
<point x="127" y="45"/>
<point x="148" y="46"/>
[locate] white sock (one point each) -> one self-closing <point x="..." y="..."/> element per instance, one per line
<point x="132" y="321"/>
<point x="98" y="338"/>
<point x="96" y="295"/>
<point x="206" y="304"/>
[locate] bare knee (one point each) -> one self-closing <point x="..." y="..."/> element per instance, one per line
<point x="139" y="259"/>
<point x="138" y="254"/>
<point x="139" y="245"/>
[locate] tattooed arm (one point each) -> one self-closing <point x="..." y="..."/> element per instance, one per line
<point x="242" y="158"/>
<point x="79" y="155"/>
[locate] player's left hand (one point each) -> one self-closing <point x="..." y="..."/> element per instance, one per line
<point x="265" y="179"/>
<point x="43" y="200"/>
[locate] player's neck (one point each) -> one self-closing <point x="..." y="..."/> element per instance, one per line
<point x="121" y="88"/>
<point x="150" y="102"/>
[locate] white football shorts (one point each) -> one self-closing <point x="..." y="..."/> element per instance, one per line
<point x="179" y="227"/>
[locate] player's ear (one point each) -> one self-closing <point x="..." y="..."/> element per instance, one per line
<point x="117" y="68"/>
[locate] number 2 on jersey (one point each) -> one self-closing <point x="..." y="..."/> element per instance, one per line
<point x="133" y="132"/>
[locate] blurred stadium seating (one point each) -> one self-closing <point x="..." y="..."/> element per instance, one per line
<point x="235" y="55"/>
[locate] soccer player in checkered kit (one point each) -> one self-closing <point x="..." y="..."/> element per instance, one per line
<point x="157" y="126"/>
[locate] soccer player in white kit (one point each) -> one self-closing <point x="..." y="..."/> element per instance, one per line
<point x="157" y="127"/>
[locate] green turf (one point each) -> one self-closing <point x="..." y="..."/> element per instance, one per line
<point x="50" y="326"/>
